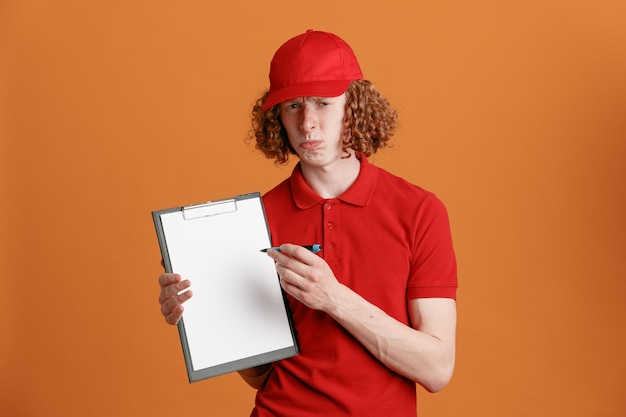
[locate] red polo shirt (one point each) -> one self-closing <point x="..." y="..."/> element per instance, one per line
<point x="387" y="240"/>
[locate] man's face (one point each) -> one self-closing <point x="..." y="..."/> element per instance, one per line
<point x="315" y="128"/>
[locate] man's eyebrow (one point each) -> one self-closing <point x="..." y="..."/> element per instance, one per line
<point x="322" y="98"/>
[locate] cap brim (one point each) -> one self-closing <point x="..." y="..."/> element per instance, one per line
<point x="332" y="88"/>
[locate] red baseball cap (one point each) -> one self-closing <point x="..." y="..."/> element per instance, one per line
<point x="314" y="63"/>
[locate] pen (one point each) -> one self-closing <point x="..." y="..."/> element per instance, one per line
<point x="313" y="248"/>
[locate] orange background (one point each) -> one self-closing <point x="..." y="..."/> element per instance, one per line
<point x="514" y="113"/>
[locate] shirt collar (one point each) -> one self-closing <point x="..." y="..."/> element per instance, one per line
<point x="358" y="194"/>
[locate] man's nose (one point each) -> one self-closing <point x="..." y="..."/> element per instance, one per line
<point x="308" y="121"/>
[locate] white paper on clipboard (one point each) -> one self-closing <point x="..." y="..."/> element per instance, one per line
<point x="238" y="316"/>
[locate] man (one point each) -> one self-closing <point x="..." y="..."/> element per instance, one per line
<point x="375" y="310"/>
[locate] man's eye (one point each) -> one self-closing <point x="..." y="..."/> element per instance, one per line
<point x="292" y="106"/>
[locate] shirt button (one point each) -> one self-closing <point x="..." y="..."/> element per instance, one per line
<point x="329" y="225"/>
<point x="328" y="206"/>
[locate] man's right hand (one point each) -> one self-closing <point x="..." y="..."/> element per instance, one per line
<point x="172" y="296"/>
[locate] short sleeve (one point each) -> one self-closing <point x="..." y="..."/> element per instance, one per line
<point x="433" y="271"/>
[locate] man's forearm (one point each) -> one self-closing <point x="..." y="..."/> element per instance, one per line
<point x="256" y="376"/>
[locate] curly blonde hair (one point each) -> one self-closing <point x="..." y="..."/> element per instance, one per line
<point x="370" y="123"/>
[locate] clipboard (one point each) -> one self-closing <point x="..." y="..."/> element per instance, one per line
<point x="238" y="316"/>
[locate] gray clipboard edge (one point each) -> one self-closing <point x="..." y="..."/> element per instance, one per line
<point x="241" y="364"/>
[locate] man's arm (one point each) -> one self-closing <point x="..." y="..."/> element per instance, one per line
<point x="256" y="376"/>
<point x="423" y="352"/>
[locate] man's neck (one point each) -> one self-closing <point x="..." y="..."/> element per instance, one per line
<point x="332" y="181"/>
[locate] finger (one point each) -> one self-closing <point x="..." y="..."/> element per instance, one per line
<point x="173" y="306"/>
<point x="175" y="316"/>
<point x="283" y="260"/>
<point x="170" y="307"/>
<point x="291" y="289"/>
<point x="292" y="264"/>
<point x="172" y="290"/>
<point x="289" y="277"/>
<point x="296" y="251"/>
<point x="168" y="279"/>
